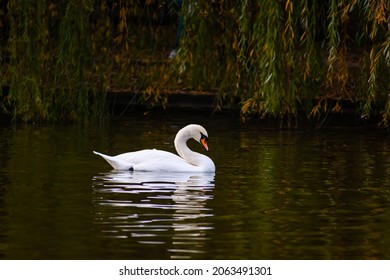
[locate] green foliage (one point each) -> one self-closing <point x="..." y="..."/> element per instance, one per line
<point x="49" y="67"/>
<point x="278" y="58"/>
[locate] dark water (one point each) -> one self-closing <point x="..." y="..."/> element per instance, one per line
<point x="276" y="194"/>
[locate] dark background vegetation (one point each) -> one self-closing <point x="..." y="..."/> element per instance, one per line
<point x="279" y="58"/>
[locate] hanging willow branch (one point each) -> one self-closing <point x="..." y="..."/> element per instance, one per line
<point x="276" y="57"/>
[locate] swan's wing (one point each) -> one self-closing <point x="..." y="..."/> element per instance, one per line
<point x="116" y="163"/>
<point x="156" y="161"/>
<point x="152" y="160"/>
<point x="161" y="161"/>
<point x="145" y="160"/>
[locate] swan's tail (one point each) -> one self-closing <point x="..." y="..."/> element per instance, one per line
<point x="116" y="163"/>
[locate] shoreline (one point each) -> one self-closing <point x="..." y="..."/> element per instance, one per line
<point x="124" y="103"/>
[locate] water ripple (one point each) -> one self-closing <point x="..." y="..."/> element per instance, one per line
<point x="154" y="209"/>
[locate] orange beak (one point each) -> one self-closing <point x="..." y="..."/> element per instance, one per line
<point x="204" y="143"/>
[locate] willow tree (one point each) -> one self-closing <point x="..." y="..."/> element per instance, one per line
<point x="275" y="57"/>
<point x="48" y="55"/>
<point x="61" y="57"/>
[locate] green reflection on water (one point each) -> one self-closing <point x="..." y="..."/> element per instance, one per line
<point x="275" y="195"/>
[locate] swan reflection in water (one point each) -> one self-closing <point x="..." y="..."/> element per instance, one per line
<point x="168" y="211"/>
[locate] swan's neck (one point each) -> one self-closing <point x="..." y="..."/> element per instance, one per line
<point x="183" y="150"/>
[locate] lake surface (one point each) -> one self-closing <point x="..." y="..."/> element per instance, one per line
<point x="276" y="194"/>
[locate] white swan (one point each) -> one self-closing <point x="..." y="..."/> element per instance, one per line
<point x="162" y="161"/>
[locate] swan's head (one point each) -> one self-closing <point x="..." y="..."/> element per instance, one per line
<point x="200" y="135"/>
<point x="196" y="132"/>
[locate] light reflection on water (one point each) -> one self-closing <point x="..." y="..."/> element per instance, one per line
<point x="276" y="194"/>
<point x="155" y="209"/>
